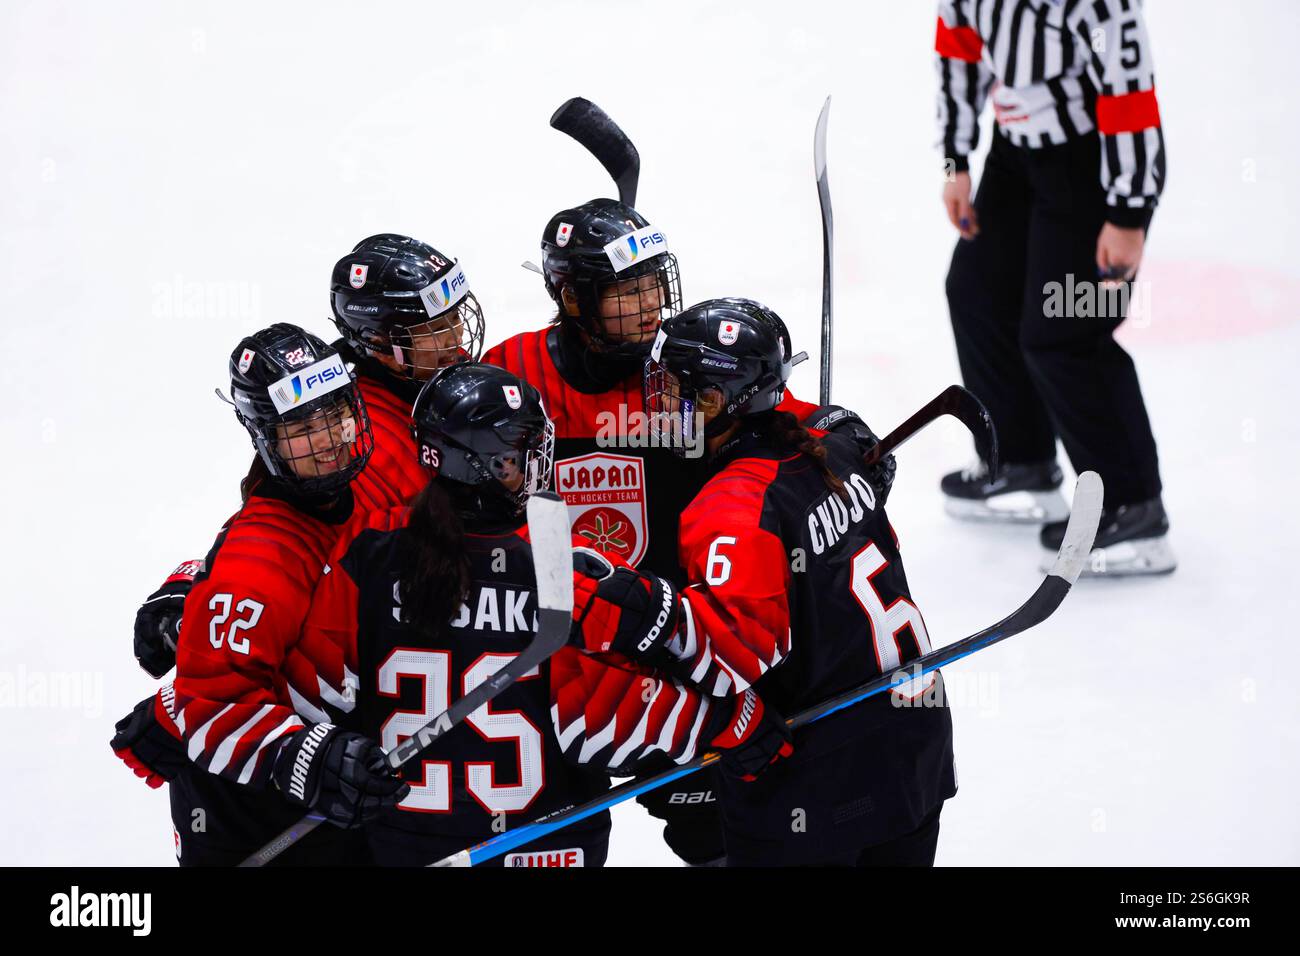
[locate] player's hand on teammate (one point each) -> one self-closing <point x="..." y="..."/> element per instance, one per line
<point x="957" y="202"/>
<point x="343" y="776"/>
<point x="749" y="736"/>
<point x="158" y="622"/>
<point x="1119" y="252"/>
<point x="616" y="608"/>
<point x="144" y="744"/>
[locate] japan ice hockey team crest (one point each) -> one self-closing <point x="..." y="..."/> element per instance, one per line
<point x="606" y="498"/>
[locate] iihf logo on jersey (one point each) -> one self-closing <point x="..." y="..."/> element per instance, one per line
<point x="358" y="276"/>
<point x="563" y="234"/>
<point x="513" y="398"/>
<point x="728" y="332"/>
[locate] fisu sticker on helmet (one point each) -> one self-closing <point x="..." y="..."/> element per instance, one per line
<point x="357" y="275"/>
<point x="442" y="294"/>
<point x="311" y="383"/>
<point x="641" y="244"/>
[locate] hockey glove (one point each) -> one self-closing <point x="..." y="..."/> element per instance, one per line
<point x="158" y="622"/>
<point x="341" y="775"/>
<point x="616" y="608"/>
<point x="841" y="421"/>
<point x="144" y="744"/>
<point x="749" y="737"/>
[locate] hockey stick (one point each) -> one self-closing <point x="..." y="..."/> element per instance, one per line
<point x="828" y="244"/>
<point x="1085" y="514"/>
<point x="955" y="401"/>
<point x="551" y="537"/>
<point x="589" y="125"/>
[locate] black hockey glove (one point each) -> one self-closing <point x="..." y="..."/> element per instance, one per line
<point x="158" y="622"/>
<point x="841" y="421"/>
<point x="144" y="744"/>
<point x="341" y="775"/>
<point x="617" y="608"/>
<point x="749" y="736"/>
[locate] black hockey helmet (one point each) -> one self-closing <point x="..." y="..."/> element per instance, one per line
<point x="302" y="408"/>
<point x="605" y="249"/>
<point x="482" y="428"/>
<point x="394" y="295"/>
<point x="737" y="347"/>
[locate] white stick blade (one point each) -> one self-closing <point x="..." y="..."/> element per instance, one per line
<point x="548" y="530"/>
<point x="819" y="140"/>
<point x="1081" y="531"/>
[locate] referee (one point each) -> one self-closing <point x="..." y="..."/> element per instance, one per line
<point x="1042" y="274"/>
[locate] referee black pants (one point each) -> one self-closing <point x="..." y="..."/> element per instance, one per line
<point x="1042" y="357"/>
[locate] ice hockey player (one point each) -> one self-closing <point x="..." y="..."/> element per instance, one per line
<point x="429" y="601"/>
<point x="244" y="678"/>
<point x="403" y="309"/>
<point x="796" y="592"/>
<point x="612" y="278"/>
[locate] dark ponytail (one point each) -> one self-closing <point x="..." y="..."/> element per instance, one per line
<point x="436" y="580"/>
<point x="257" y="473"/>
<point x="787" y="434"/>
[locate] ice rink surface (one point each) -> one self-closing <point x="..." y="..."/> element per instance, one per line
<point x="175" y="178"/>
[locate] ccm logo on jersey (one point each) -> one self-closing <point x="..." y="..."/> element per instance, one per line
<point x="311" y="383"/>
<point x="546" y="858"/>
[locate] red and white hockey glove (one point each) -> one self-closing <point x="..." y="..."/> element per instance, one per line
<point x="617" y="608"/>
<point x="147" y="742"/>
<point x="749" y="737"/>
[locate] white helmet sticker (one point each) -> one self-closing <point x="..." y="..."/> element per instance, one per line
<point x="357" y="275"/>
<point x="728" y="332"/>
<point x="513" y="398"/>
<point x="327" y="375"/>
<point x="657" y="349"/>
<point x="563" y="234"/>
<point x="245" y="361"/>
<point x="635" y="246"/>
<point x="446" y="292"/>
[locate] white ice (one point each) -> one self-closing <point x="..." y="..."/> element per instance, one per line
<point x="175" y="177"/>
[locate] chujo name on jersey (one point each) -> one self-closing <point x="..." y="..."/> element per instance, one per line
<point x="829" y="521"/>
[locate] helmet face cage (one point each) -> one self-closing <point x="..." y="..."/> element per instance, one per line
<point x="321" y="448"/>
<point x="622" y="311"/>
<point x="532" y="458"/>
<point x="670" y="408"/>
<point x="451" y="337"/>
<point x="536" y="467"/>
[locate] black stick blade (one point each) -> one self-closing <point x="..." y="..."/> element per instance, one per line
<point x="591" y="126"/>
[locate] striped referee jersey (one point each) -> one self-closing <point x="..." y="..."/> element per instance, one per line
<point x="1056" y="70"/>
